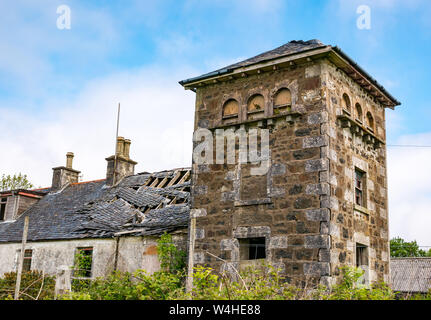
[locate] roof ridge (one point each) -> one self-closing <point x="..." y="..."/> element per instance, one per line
<point x="83" y="182"/>
<point x="406" y="258"/>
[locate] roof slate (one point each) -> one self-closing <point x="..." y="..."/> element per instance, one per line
<point x="292" y="47"/>
<point x="295" y="47"/>
<point x="93" y="210"/>
<point x="411" y="274"/>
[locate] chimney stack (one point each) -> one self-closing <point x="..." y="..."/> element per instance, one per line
<point x="69" y="160"/>
<point x="121" y="165"/>
<point x="64" y="175"/>
<point x="126" y="150"/>
<point x="120" y="145"/>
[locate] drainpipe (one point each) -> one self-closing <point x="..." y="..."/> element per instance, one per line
<point x="117" y="245"/>
<point x="192" y="234"/>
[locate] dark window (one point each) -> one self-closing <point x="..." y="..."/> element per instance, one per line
<point x="252" y="248"/>
<point x="346" y="102"/>
<point x="370" y="121"/>
<point x="358" y="112"/>
<point x="26" y="265"/>
<point x="83" y="262"/>
<point x="2" y="208"/>
<point x="361" y="255"/>
<point x="359" y="188"/>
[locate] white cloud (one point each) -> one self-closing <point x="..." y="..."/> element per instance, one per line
<point x="409" y="180"/>
<point x="156" y="113"/>
<point x="31" y="43"/>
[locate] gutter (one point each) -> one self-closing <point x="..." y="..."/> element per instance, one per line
<point x="230" y="70"/>
<point x="329" y="48"/>
<point x="206" y="75"/>
<point x="367" y="75"/>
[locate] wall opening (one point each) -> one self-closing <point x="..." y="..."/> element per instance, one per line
<point x="3" y="202"/>
<point x="230" y="110"/>
<point x="358" y="113"/>
<point x="255" y="107"/>
<point x="252" y="248"/>
<point x="362" y="262"/>
<point x="83" y="263"/>
<point x="370" y="121"/>
<point x="361" y="255"/>
<point x="345" y="103"/>
<point x="26" y="265"/>
<point x="360" y="188"/>
<point x="282" y="101"/>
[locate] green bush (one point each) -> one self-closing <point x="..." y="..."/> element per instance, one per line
<point x="350" y="289"/>
<point x="262" y="283"/>
<point x="161" y="285"/>
<point x="34" y="285"/>
<point x="116" y="286"/>
<point x="171" y="258"/>
<point x="259" y="283"/>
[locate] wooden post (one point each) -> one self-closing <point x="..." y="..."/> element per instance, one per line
<point x="117" y="245"/>
<point x="63" y="281"/>
<point x="21" y="258"/>
<point x="116" y="147"/>
<point x="192" y="235"/>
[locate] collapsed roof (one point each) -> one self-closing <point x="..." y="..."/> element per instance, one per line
<point x="142" y="204"/>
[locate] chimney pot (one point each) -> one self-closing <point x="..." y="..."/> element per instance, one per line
<point x="69" y="160"/>
<point x="121" y="165"/>
<point x="126" y="150"/>
<point x="120" y="146"/>
<point x="64" y="175"/>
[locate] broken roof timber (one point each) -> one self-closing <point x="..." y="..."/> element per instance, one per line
<point x="94" y="210"/>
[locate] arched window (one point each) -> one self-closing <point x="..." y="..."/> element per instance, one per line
<point x="370" y="121"/>
<point x="282" y="100"/>
<point x="230" y="109"/>
<point x="255" y="106"/>
<point x="345" y="102"/>
<point x="256" y="103"/>
<point x="358" y="110"/>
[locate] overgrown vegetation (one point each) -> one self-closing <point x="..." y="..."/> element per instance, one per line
<point x="34" y="286"/>
<point x="17" y="181"/>
<point x="82" y="269"/>
<point x="402" y="248"/>
<point x="259" y="283"/>
<point x="171" y="258"/>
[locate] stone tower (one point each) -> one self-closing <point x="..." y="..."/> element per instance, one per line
<point x="323" y="202"/>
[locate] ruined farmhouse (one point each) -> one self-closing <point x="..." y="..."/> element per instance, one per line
<point x="321" y="204"/>
<point x="117" y="223"/>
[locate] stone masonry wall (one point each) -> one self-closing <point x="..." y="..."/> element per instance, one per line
<point x="349" y="147"/>
<point x="287" y="211"/>
<point x="304" y="206"/>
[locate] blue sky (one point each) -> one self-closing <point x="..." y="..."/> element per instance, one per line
<point x="59" y="88"/>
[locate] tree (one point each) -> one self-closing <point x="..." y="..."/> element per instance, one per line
<point x="401" y="248"/>
<point x="20" y="181"/>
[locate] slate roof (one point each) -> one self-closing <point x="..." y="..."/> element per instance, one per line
<point x="411" y="274"/>
<point x="141" y="204"/>
<point x="291" y="48"/>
